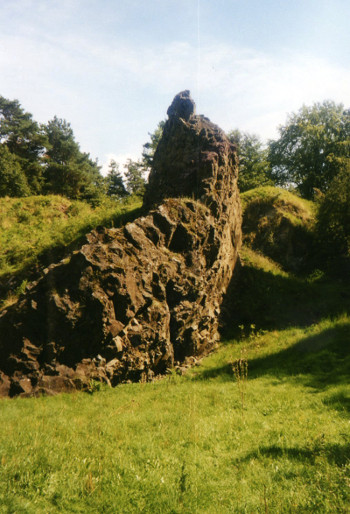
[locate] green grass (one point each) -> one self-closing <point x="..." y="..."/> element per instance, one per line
<point x="215" y="439"/>
<point x="186" y="443"/>
<point x="39" y="230"/>
<point x="282" y="199"/>
<point x="281" y="226"/>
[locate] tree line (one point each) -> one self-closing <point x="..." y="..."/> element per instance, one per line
<point x="312" y="148"/>
<point x="39" y="159"/>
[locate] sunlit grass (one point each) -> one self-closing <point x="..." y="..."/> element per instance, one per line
<point x="302" y="209"/>
<point x="39" y="229"/>
<point x="186" y="444"/>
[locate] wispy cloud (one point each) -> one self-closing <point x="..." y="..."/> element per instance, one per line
<point x="110" y="91"/>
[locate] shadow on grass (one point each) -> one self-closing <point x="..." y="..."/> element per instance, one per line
<point x="339" y="402"/>
<point x="336" y="454"/>
<point x="318" y="360"/>
<point x="273" y="301"/>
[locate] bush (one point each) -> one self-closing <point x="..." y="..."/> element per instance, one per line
<point x="333" y="224"/>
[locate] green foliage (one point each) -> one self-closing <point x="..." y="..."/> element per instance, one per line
<point x="62" y="145"/>
<point x="150" y="147"/>
<point x="114" y="181"/>
<point x="13" y="181"/>
<point x="312" y="146"/>
<point x="254" y="166"/>
<point x="21" y="134"/>
<point x="69" y="171"/>
<point x="26" y="140"/>
<point x="135" y="183"/>
<point x="333" y="224"/>
<point x="43" y="159"/>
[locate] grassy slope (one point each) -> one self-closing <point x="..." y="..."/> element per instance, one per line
<point x="279" y="224"/>
<point x="214" y="440"/>
<point x="38" y="230"/>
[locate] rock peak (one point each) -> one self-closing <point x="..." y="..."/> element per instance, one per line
<point x="192" y="158"/>
<point x="182" y="106"/>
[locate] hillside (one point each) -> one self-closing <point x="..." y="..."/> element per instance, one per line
<point x="261" y="425"/>
<point x="280" y="284"/>
<point x="279" y="225"/>
<point x="39" y="230"/>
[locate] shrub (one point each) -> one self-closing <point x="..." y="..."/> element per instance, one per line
<point x="333" y="223"/>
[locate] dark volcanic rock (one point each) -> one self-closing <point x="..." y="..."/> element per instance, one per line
<point x="132" y="302"/>
<point x="182" y="107"/>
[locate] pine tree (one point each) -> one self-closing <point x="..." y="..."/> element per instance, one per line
<point x="114" y="181"/>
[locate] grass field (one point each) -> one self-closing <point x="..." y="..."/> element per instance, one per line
<point x="272" y="437"/>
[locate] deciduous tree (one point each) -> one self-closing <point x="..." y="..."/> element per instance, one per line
<point x="254" y="166"/>
<point x="312" y="145"/>
<point x="334" y="216"/>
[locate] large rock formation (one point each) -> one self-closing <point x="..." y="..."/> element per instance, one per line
<point x="133" y="301"/>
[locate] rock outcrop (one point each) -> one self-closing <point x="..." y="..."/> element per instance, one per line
<point x="134" y="301"/>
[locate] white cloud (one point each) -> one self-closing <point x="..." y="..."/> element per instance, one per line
<point x="120" y="159"/>
<point x="111" y="92"/>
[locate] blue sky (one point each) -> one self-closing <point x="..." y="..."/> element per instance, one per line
<point x="112" y="67"/>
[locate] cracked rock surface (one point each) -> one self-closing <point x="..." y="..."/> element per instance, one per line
<point x="135" y="301"/>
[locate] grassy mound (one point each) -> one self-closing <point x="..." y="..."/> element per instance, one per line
<point x="39" y="230"/>
<point x="279" y="225"/>
<point x="276" y="286"/>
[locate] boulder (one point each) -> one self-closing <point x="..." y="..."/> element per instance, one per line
<point x="135" y="301"/>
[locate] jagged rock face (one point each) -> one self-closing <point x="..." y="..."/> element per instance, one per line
<point x="195" y="159"/>
<point x="133" y="301"/>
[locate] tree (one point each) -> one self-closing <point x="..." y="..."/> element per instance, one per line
<point x="150" y="147"/>
<point x="13" y="181"/>
<point x="312" y="145"/>
<point x="62" y="146"/>
<point x="25" y="139"/>
<point x="114" y="181"/>
<point x="253" y="162"/>
<point x="135" y="183"/>
<point x="333" y="223"/>
<point x="69" y="171"/>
